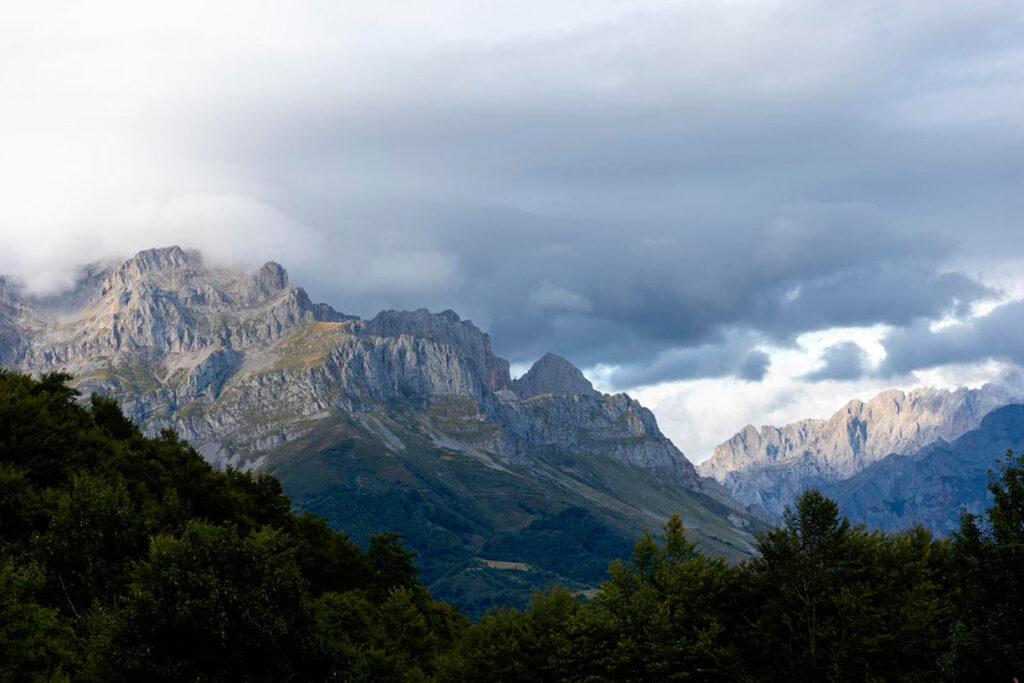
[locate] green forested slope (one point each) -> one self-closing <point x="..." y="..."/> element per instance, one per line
<point x="485" y="535"/>
<point x="128" y="558"/>
<point x="123" y="557"/>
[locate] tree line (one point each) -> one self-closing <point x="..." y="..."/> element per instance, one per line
<point x="124" y="557"/>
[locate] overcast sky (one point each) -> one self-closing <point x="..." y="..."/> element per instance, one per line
<point x="738" y="211"/>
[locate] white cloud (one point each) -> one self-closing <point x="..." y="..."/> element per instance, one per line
<point x="700" y="414"/>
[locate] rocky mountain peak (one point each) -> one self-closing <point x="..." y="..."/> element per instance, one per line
<point x="253" y="374"/>
<point x="266" y="282"/>
<point x="162" y="258"/>
<point x="165" y="333"/>
<point x="932" y="485"/>
<point x="420" y="323"/>
<point x="272" y="276"/>
<point x="552" y="375"/>
<point x="163" y="268"/>
<point x="769" y="468"/>
<point x="445" y="328"/>
<point x="162" y="308"/>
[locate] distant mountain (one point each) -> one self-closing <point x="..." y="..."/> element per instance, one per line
<point x="931" y="486"/>
<point x="767" y="468"/>
<point x="405" y="422"/>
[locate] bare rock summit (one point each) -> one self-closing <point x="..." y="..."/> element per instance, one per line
<point x="552" y="375"/>
<point x="770" y="466"/>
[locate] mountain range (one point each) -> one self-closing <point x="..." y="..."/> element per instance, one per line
<point x="933" y="485"/>
<point x="406" y="422"/>
<point x="888" y="461"/>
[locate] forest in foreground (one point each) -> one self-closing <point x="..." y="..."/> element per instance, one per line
<point x="124" y="557"/>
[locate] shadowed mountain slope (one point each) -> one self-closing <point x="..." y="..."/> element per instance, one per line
<point x="931" y="486"/>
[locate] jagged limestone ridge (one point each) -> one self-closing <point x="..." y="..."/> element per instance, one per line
<point x="931" y="486"/>
<point x="770" y="466"/>
<point x="241" y="363"/>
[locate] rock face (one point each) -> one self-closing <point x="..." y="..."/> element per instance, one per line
<point x="12" y="343"/>
<point x="552" y="375"/>
<point x="931" y="486"/>
<point x="361" y="419"/>
<point x="768" y="468"/>
<point x="239" y="363"/>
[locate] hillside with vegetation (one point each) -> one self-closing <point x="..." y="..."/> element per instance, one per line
<point x="124" y="557"/>
<point x="406" y="422"/>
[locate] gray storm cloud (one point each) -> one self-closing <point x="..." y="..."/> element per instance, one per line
<point x="730" y="356"/>
<point x="843" y="361"/>
<point x="610" y="181"/>
<point x="994" y="336"/>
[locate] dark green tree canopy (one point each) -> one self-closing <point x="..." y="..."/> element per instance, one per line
<point x="124" y="557"/>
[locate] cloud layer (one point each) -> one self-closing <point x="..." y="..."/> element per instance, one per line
<point x="844" y="361"/>
<point x="659" y="187"/>
<point x="995" y="336"/>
